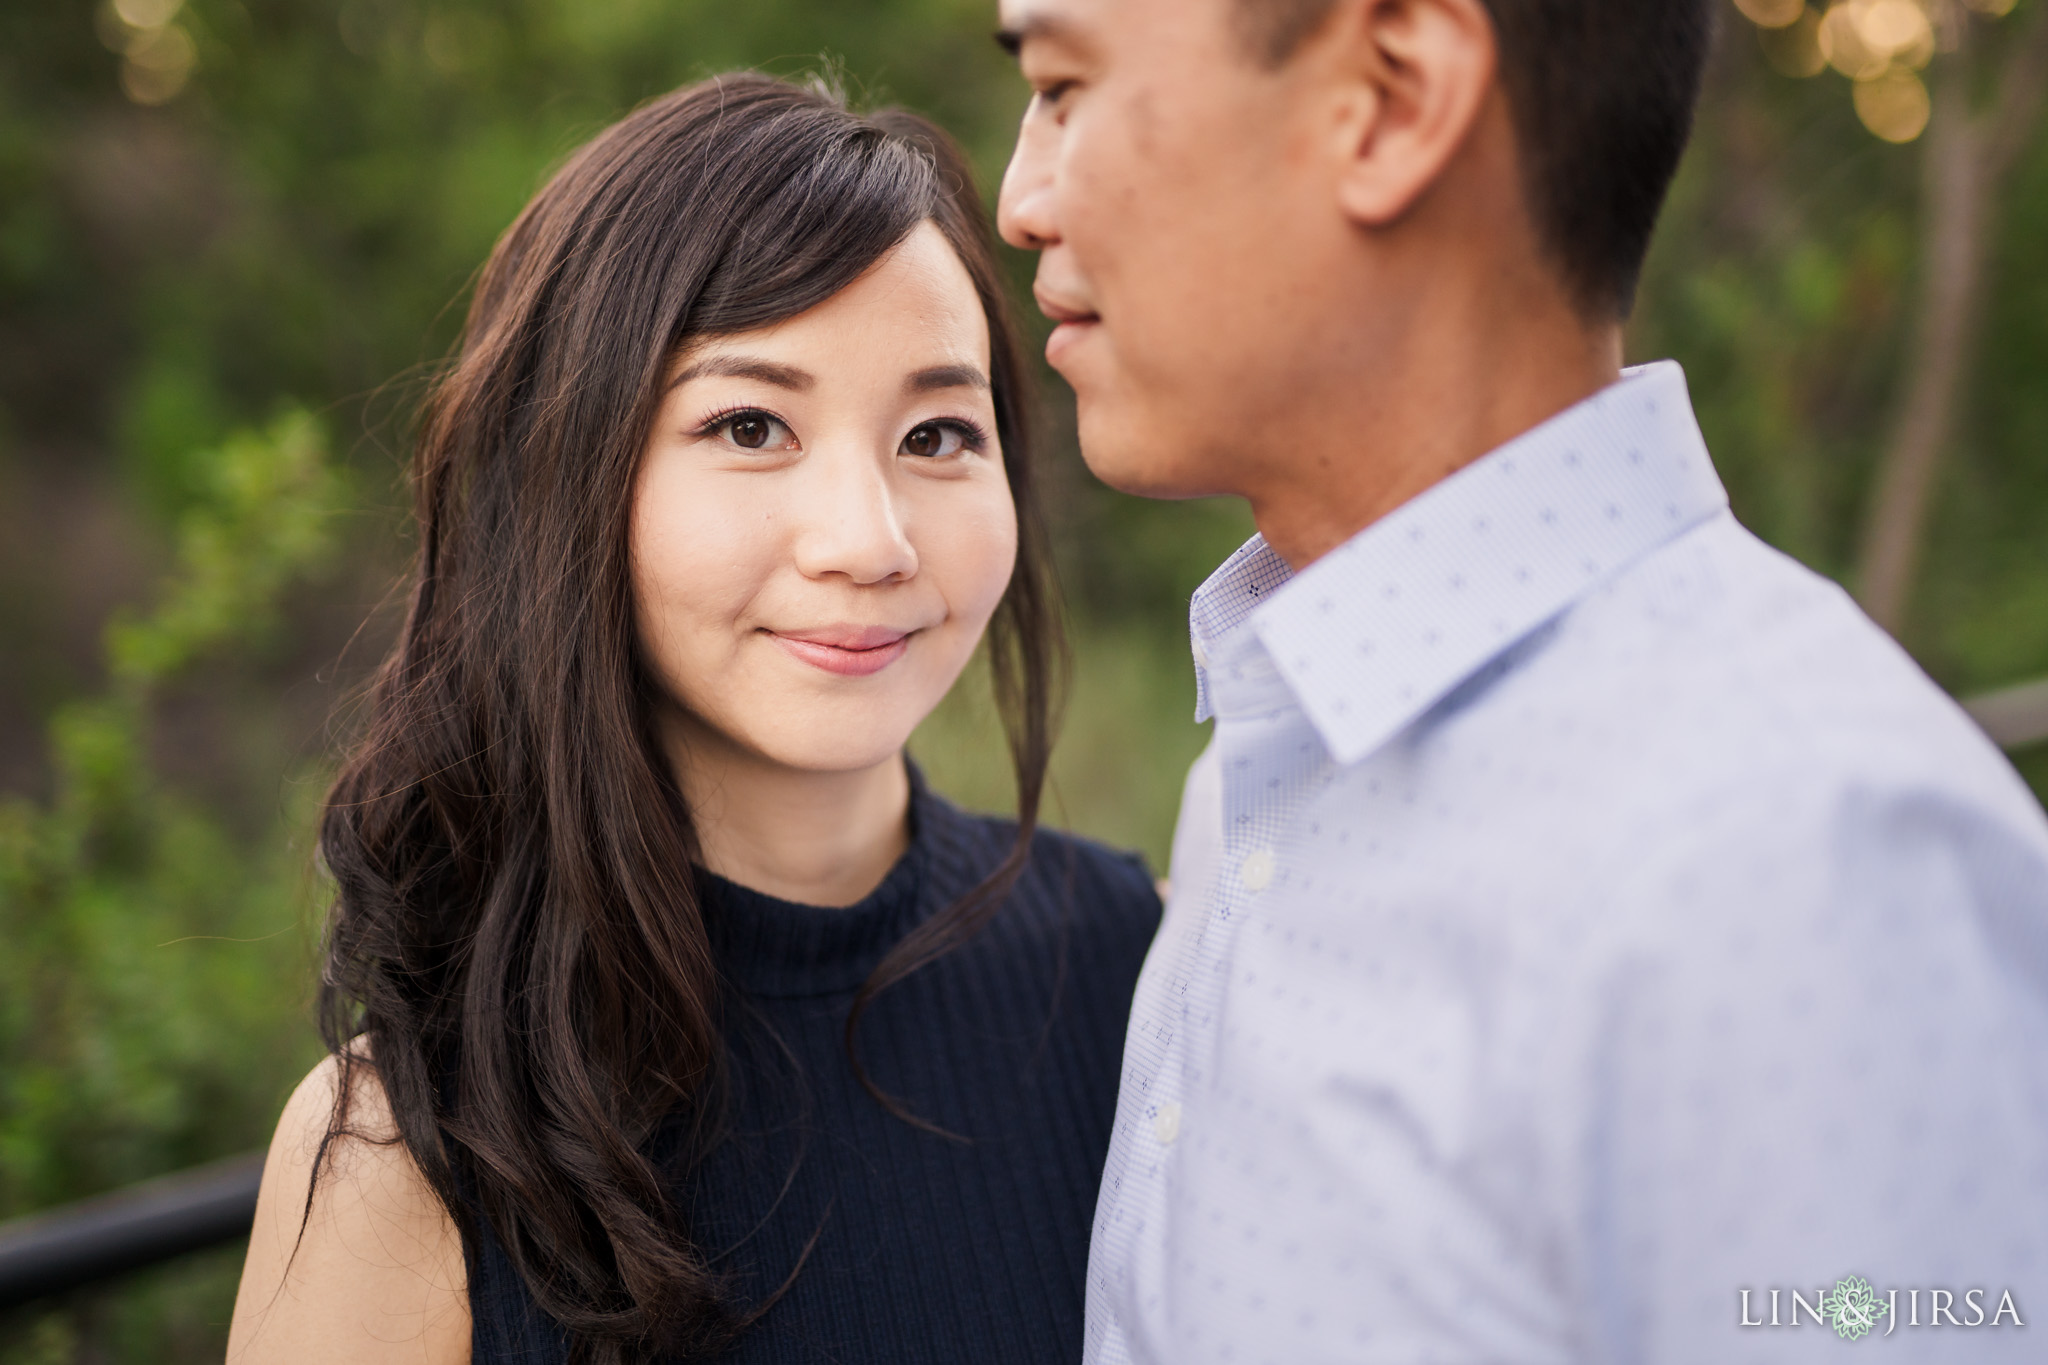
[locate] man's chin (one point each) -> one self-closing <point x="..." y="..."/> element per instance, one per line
<point x="1133" y="457"/>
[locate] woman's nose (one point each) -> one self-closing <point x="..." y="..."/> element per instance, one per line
<point x="853" y="525"/>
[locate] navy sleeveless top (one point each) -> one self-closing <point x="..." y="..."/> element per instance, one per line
<point x="928" y="1249"/>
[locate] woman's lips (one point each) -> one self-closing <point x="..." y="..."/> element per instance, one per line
<point x="850" y="651"/>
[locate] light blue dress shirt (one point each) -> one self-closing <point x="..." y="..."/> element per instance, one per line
<point x="1582" y="915"/>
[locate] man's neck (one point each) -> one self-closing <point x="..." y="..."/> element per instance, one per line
<point x="1464" y="379"/>
<point x="818" y="838"/>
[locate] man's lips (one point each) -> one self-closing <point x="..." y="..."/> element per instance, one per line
<point x="850" y="651"/>
<point x="1074" y="322"/>
<point x="1062" y="309"/>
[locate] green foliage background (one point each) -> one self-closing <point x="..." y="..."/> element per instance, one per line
<point x="215" y="314"/>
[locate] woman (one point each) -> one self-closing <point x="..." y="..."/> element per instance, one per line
<point x="671" y="1015"/>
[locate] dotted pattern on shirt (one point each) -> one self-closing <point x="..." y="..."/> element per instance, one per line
<point x="1689" y="941"/>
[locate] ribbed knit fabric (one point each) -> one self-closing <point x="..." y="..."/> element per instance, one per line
<point x="931" y="1250"/>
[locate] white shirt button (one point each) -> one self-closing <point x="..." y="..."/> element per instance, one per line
<point x="1201" y="654"/>
<point x="1256" y="872"/>
<point x="1166" y="1124"/>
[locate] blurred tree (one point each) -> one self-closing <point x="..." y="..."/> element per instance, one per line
<point x="1881" y="46"/>
<point x="1795" y="275"/>
<point x="149" y="958"/>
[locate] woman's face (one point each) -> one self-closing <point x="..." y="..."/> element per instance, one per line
<point x="821" y="525"/>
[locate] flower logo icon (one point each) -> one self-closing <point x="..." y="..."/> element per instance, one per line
<point x="1852" y="1308"/>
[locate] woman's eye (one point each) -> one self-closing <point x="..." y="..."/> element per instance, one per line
<point x="755" y="431"/>
<point x="934" y="440"/>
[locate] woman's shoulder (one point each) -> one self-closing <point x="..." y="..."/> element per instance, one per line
<point x="352" y="1257"/>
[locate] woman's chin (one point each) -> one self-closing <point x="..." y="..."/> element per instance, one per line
<point x="820" y="723"/>
<point x="826" y="761"/>
<point x="830" y="745"/>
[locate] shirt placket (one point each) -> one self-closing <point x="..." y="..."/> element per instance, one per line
<point x="1273" y="761"/>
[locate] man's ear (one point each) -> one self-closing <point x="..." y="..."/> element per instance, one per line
<point x="1416" y="74"/>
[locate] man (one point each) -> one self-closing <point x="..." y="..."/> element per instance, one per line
<point x="1590" y="938"/>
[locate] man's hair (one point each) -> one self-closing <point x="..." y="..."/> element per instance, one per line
<point x="1602" y="94"/>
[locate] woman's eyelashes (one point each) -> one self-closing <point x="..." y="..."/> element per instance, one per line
<point x="753" y="430"/>
<point x="940" y="439"/>
<point x="750" y="429"/>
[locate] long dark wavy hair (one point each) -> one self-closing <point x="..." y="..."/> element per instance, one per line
<point x="517" y="946"/>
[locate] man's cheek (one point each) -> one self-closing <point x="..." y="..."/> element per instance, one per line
<point x="1106" y="174"/>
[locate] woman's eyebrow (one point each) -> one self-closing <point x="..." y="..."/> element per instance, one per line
<point x="945" y="377"/>
<point x="746" y="367"/>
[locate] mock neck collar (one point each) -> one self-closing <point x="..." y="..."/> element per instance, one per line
<point x="772" y="947"/>
<point x="1377" y="631"/>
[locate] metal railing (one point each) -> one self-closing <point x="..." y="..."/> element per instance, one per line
<point x="2014" y="717"/>
<point x="159" y="1220"/>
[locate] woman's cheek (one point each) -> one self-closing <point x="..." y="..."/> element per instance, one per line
<point x="979" y="552"/>
<point x="696" y="553"/>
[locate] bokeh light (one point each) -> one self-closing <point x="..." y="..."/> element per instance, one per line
<point x="147" y="14"/>
<point x="1794" y="48"/>
<point x="1893" y="105"/>
<point x="1879" y="45"/>
<point x="158" y="56"/>
<point x="1898" y="28"/>
<point x="1772" y="13"/>
<point x="1847" y="46"/>
<point x="159" y="63"/>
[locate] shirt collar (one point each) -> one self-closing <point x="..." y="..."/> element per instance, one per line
<point x="1377" y="631"/>
<point x="1242" y="584"/>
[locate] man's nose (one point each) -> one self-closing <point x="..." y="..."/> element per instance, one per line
<point x="1024" y="210"/>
